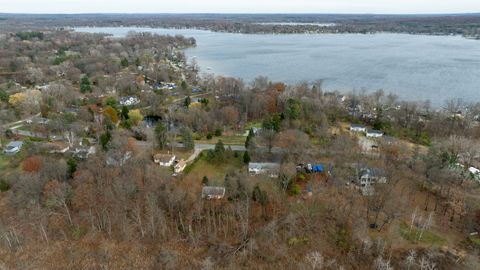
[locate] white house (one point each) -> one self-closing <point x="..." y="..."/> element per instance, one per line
<point x="358" y="128"/>
<point x="180" y="166"/>
<point x="84" y="152"/>
<point x="13" y="147"/>
<point x="213" y="193"/>
<point x="374" y="133"/>
<point x="369" y="176"/>
<point x="270" y="169"/>
<point x="129" y="101"/>
<point x="165" y="160"/>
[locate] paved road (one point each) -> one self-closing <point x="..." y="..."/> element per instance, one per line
<point x="202" y="147"/>
<point x="194" y="96"/>
<point x="198" y="148"/>
<point x="19" y="123"/>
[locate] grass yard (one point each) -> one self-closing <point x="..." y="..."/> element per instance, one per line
<point x="428" y="237"/>
<point x="214" y="171"/>
<point x="253" y="124"/>
<point x="9" y="164"/>
<point x="4" y="161"/>
<point x="181" y="153"/>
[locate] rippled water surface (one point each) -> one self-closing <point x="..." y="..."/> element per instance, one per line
<point x="412" y="66"/>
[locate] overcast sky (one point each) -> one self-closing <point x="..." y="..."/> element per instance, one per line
<point x="239" y="6"/>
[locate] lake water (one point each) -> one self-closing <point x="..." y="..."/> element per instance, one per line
<point x="414" y="67"/>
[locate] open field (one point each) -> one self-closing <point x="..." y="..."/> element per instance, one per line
<point x="214" y="171"/>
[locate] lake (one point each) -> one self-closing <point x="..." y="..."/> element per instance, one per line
<point x="414" y="67"/>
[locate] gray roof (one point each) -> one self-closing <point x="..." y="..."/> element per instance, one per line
<point x="374" y="131"/>
<point x="265" y="165"/>
<point x="357" y="126"/>
<point x="213" y="191"/>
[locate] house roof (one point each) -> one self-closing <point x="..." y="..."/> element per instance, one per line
<point x="266" y="165"/>
<point x="181" y="163"/>
<point x="373" y="172"/>
<point x="213" y="191"/>
<point x="474" y="170"/>
<point x="374" y="131"/>
<point x="357" y="126"/>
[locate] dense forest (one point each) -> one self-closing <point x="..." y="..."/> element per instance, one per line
<point x="94" y="113"/>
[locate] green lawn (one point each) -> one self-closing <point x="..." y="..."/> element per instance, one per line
<point x="427" y="238"/>
<point x="214" y="171"/>
<point x="4" y="161"/>
<point x="475" y="241"/>
<point x="253" y="124"/>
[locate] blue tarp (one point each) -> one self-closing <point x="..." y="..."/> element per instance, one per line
<point x="317" y="168"/>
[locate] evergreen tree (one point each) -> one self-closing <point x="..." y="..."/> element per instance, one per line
<point x="249" y="138"/>
<point x="246" y="157"/>
<point x="219" y="147"/>
<point x="71" y="167"/>
<point x="124" y="63"/>
<point x="187" y="101"/>
<point x="184" y="85"/>
<point x="161" y="135"/>
<point x="85" y="85"/>
<point x="293" y="108"/>
<point x="124" y="113"/>
<point x="205" y="180"/>
<point x="105" y="139"/>
<point x="187" y="139"/>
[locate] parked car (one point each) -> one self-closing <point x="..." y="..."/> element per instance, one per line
<point x="13" y="147"/>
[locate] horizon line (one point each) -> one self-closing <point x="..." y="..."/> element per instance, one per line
<point x="245" y="13"/>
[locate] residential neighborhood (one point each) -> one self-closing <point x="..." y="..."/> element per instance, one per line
<point x="120" y="151"/>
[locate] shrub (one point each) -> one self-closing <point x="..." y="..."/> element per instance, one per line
<point x="32" y="164"/>
<point x="4" y="186"/>
<point x="4" y="96"/>
<point x="111" y="113"/>
<point x="71" y="167"/>
<point x="76" y="233"/>
<point x="105" y="139"/>
<point x="9" y="133"/>
<point x="246" y="157"/>
<point x="124" y="62"/>
<point x="218" y="132"/>
<point x="205" y="180"/>
<point x="136" y="116"/>
<point x="85" y="85"/>
<point x="294" y="190"/>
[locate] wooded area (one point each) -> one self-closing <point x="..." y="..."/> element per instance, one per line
<point x="114" y="103"/>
